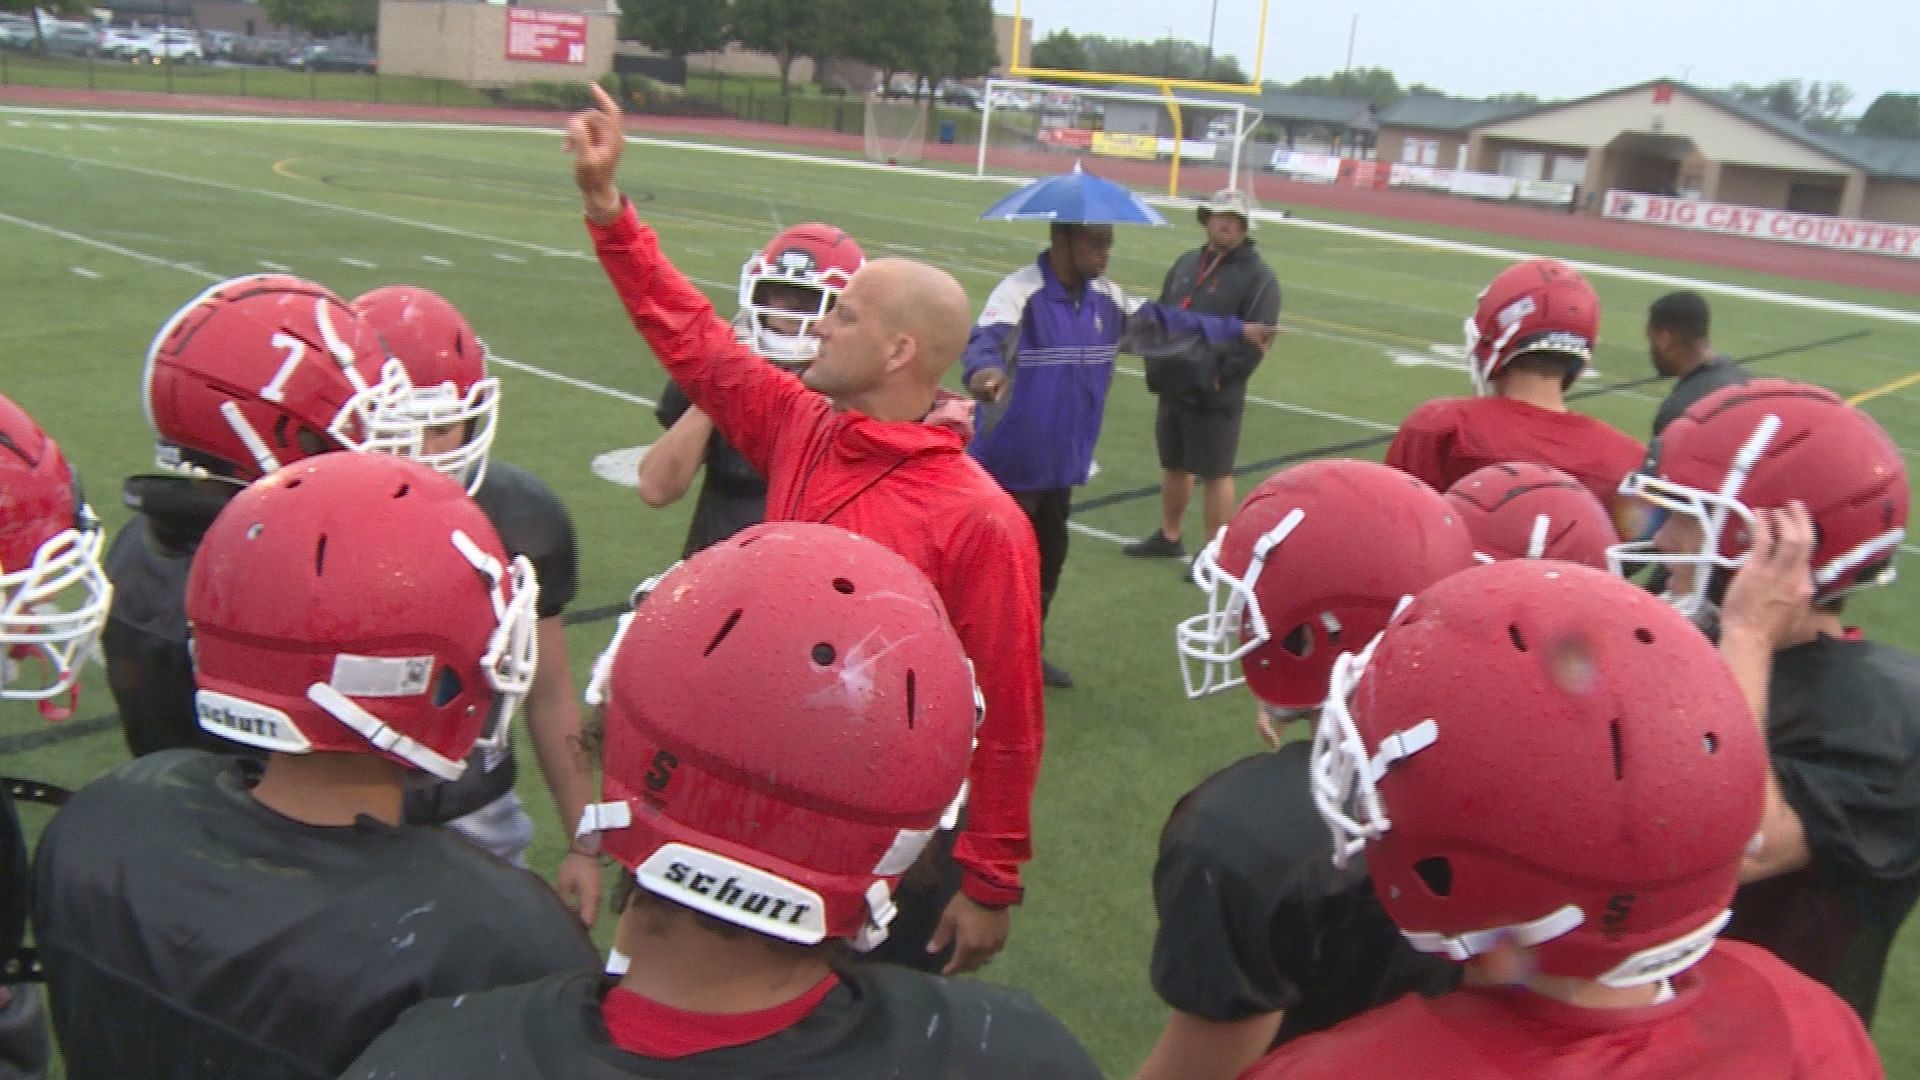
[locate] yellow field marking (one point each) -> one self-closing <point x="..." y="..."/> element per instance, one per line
<point x="1880" y="391"/>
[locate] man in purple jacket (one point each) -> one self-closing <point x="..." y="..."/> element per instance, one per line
<point x="1058" y="322"/>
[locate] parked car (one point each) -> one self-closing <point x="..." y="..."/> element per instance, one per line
<point x="175" y="46"/>
<point x="116" y="41"/>
<point x="16" y="32"/>
<point x="336" y="56"/>
<point x="218" y="43"/>
<point x="964" y="96"/>
<point x="261" y="50"/>
<point x="68" y="38"/>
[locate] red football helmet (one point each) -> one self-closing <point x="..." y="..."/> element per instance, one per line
<point x="1536" y="306"/>
<point x="819" y="261"/>
<point x="1311" y="564"/>
<point x="53" y="594"/>
<point x="1539" y="752"/>
<point x="360" y="603"/>
<point x="447" y="365"/>
<point x="789" y="718"/>
<point x="1759" y="447"/>
<point x="1521" y="510"/>
<point x="264" y="370"/>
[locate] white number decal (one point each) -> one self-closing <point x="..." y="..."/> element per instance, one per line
<point x="296" y="351"/>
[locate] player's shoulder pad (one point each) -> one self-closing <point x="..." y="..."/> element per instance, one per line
<point x="994" y="1030"/>
<point x="499" y="1033"/>
<point x="529" y="517"/>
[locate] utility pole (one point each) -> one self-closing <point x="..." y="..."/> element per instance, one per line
<point x="1352" y="32"/>
<point x="1213" y="16"/>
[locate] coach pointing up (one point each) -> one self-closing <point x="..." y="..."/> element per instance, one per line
<point x="866" y="440"/>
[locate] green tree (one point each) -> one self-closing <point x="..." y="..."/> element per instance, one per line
<point x="1375" y="84"/>
<point x="973" y="52"/>
<point x="1168" y="57"/>
<point x="326" y="18"/>
<point x="1059" y="50"/>
<point x="1895" y="116"/>
<point x="788" y="29"/>
<point x="1818" y="105"/>
<point x="893" y="35"/>
<point x="676" y="27"/>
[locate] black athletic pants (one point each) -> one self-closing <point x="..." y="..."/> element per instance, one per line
<point x="1048" y="512"/>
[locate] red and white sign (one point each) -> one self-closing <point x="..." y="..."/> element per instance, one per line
<point x="1818" y="230"/>
<point x="546" y="37"/>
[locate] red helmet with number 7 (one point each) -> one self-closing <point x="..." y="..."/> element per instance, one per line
<point x="53" y="594"/>
<point x="265" y="370"/>
<point x="1536" y="306"/>
<point x="1313" y="563"/>
<point x="447" y="364"/>
<point x="1761" y="446"/>
<point x="1540" y="753"/>
<point x="1520" y="510"/>
<point x="790" y="285"/>
<point x="360" y="603"/>
<point x="789" y="718"/>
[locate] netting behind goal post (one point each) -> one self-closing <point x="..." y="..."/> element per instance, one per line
<point x="896" y="129"/>
<point x="1179" y="144"/>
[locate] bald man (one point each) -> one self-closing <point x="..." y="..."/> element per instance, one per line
<point x="879" y="450"/>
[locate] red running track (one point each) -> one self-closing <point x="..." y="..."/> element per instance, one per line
<point x="1883" y="272"/>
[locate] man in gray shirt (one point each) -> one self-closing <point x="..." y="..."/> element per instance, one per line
<point x="1677" y="325"/>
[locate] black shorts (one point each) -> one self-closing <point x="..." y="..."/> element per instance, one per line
<point x="1196" y="440"/>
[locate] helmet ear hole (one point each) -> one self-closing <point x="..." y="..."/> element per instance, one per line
<point x="446" y="686"/>
<point x="1299" y="641"/>
<point x="1436" y="873"/>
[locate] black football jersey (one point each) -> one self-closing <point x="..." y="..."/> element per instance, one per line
<point x="732" y="494"/>
<point x="1255" y="918"/>
<point x="1843" y="729"/>
<point x="880" y="1021"/>
<point x="144" y="641"/>
<point x="531" y="521"/>
<point x="189" y="931"/>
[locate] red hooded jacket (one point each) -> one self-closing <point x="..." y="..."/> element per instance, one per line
<point x="909" y="486"/>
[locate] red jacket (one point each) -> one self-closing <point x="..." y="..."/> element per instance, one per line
<point x="910" y="486"/>
<point x="1447" y="438"/>
<point x="1739" y="1014"/>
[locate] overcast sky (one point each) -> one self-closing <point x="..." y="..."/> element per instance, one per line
<point x="1478" y="47"/>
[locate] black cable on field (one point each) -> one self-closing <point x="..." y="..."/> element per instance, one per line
<point x="1130" y="495"/>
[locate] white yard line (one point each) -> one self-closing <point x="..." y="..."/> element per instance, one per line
<point x="1431" y="243"/>
<point x="102" y="245"/>
<point x="206" y="275"/>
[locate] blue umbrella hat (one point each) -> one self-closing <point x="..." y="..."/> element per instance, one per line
<point x="1074" y="198"/>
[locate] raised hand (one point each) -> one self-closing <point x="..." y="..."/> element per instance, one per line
<point x="596" y="140"/>
<point x="1770" y="592"/>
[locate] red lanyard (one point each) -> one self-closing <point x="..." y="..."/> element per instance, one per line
<point x="1206" y="271"/>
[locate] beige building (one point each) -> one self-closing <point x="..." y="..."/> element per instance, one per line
<point x="469" y="42"/>
<point x="1004" y="32"/>
<point x="1432" y="130"/>
<point x="1666" y="138"/>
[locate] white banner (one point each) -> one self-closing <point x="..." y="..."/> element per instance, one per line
<point x="1480" y="185"/>
<point x="1545" y="191"/>
<point x="1190" y="149"/>
<point x="1324" y="167"/>
<point x="1840" y="234"/>
<point x="1484" y="185"/>
<point x="1421" y="176"/>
